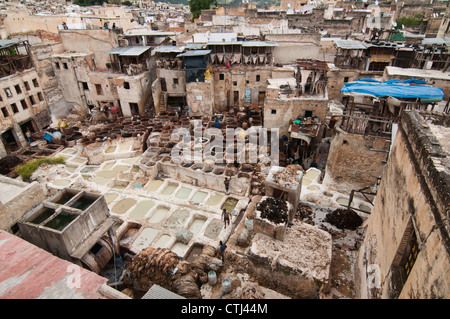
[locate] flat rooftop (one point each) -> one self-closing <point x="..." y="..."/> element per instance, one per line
<point x="417" y="73"/>
<point x="29" y="272"/>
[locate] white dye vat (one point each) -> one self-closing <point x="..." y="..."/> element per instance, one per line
<point x="365" y="207"/>
<point x="107" y="174"/>
<point x="129" y="161"/>
<point x="311" y="174"/>
<point x="141" y="209"/>
<point x="169" y="189"/>
<point x="109" y="165"/>
<point x="199" y="197"/>
<point x="144" y="239"/>
<point x="179" y="248"/>
<point x="110" y="149"/>
<point x="196" y="225"/>
<point x="69" y="151"/>
<point x="158" y="215"/>
<point x="121" y="168"/>
<point x="214" y="228"/>
<point x="177" y="219"/>
<point x="78" y="160"/>
<point x="183" y="192"/>
<point x="71" y="169"/>
<point x="123" y="148"/>
<point x="123" y="205"/>
<point x="342" y="201"/>
<point x="153" y="186"/>
<point x="110" y="197"/>
<point x="214" y="200"/>
<point x="61" y="182"/>
<point x="162" y="242"/>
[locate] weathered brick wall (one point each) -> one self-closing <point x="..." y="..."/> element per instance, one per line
<point x="413" y="192"/>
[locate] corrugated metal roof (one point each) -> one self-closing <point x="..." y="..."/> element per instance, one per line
<point x="247" y="43"/>
<point x="259" y="44"/>
<point x="349" y="44"/>
<point x="167" y="49"/>
<point x="149" y="33"/>
<point x="129" y="51"/>
<point x="436" y="41"/>
<point x="8" y="43"/>
<point x="195" y="46"/>
<point x="194" y="53"/>
<point x="158" y="292"/>
<point x="225" y="43"/>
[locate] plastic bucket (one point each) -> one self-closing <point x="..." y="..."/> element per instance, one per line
<point x="249" y="223"/>
<point x="226" y="286"/>
<point x="212" y="278"/>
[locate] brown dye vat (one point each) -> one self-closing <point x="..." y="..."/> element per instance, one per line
<point x="230" y="172"/>
<point x="208" y="169"/>
<point x="218" y="171"/>
<point x="196" y="167"/>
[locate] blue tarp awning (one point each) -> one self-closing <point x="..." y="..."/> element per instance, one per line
<point x="395" y="89"/>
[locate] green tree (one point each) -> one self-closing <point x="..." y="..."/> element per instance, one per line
<point x="196" y="6"/>
<point x="413" y="21"/>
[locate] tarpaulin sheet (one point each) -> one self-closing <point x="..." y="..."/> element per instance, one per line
<point x="394" y="90"/>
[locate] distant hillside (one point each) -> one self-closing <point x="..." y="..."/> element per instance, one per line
<point x="185" y="2"/>
<point x="259" y="3"/>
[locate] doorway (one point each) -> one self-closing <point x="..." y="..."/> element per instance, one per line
<point x="163" y="85"/>
<point x="9" y="140"/>
<point x="236" y="98"/>
<point x="134" y="109"/>
<point x="27" y="125"/>
<point x="261" y="97"/>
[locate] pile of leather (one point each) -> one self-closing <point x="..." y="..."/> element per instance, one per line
<point x="165" y="268"/>
<point x="206" y="262"/>
<point x="274" y="209"/>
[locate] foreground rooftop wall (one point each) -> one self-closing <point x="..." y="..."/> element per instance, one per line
<point x="405" y="253"/>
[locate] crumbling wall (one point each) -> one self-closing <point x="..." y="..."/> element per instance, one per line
<point x="295" y="46"/>
<point x="298" y="266"/>
<point x="200" y="98"/>
<point x="30" y="195"/>
<point x="351" y="163"/>
<point x="412" y="196"/>
<point x="287" y="110"/>
<point x="94" y="41"/>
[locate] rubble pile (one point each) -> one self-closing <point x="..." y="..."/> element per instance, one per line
<point x="305" y="214"/>
<point x="344" y="219"/>
<point x="165" y="268"/>
<point x="274" y="209"/>
<point x="287" y="177"/>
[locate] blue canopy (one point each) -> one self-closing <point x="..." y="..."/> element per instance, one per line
<point x="394" y="89"/>
<point x="408" y="81"/>
<point x="369" y="80"/>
